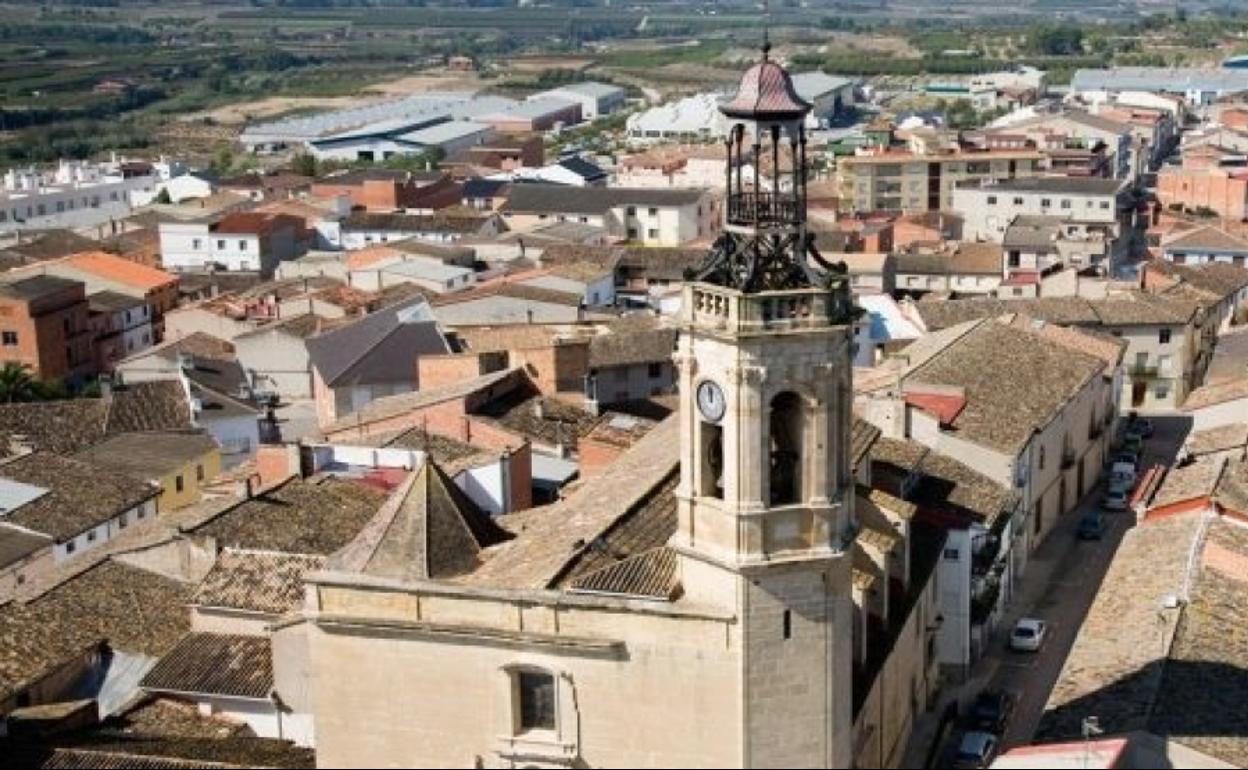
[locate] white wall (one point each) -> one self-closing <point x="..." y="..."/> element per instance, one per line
<point x="486" y="486"/>
<point x="103" y="532"/>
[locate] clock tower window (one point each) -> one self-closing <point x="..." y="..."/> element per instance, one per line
<point x="712" y="471"/>
<point x="786" y="429"/>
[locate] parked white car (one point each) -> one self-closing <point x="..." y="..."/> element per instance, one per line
<point x="1116" y="499"/>
<point x="1028" y="635"/>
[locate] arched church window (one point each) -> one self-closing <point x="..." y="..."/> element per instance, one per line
<point x="786" y="448"/>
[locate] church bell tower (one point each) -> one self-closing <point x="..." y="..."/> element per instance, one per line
<point x="765" y="501"/>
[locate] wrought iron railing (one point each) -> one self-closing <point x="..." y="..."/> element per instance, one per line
<point x="762" y="208"/>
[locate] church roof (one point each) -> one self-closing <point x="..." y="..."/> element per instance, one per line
<point x="428" y="529"/>
<point x="766" y="92"/>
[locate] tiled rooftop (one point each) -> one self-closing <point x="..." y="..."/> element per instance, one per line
<point x="303" y="517"/>
<point x="215" y="664"/>
<point x="256" y="581"/>
<point x="133" y="610"/>
<point x="1013" y="382"/>
<point x="81" y="495"/>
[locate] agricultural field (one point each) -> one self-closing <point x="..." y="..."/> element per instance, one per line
<point x="180" y="77"/>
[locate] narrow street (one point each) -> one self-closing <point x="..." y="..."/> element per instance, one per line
<point x="1061" y="581"/>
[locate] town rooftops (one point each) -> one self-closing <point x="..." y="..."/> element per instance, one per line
<point x="385" y="407"/>
<point x="943" y="489"/>
<point x="1206" y="238"/>
<point x="1223" y="438"/>
<point x="416" y="223"/>
<point x="1033" y="233"/>
<point x="113" y="302"/>
<point x="553" y="198"/>
<point x="253" y="223"/>
<point x="124" y="271"/>
<point x="252" y="580"/>
<point x="149" y="455"/>
<point x="37" y="287"/>
<point x="299" y="516"/>
<point x="16" y="543"/>
<point x="80" y="495"/>
<point x="552" y="541"/>
<point x="381" y="347"/>
<point x="72" y="425"/>
<point x="215" y="664"/>
<point x="1057" y="185"/>
<point x="1013" y="381"/>
<point x="132" y="610"/>
<point x="1179" y="675"/>
<point x="1130" y="309"/>
<point x="360" y="176"/>
<point x="428" y="529"/>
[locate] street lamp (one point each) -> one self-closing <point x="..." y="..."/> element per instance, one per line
<point x="1090" y="726"/>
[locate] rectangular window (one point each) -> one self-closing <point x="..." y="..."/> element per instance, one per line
<point x="537" y="700"/>
<point x="992" y="200"/>
<point x="951" y="554"/>
<point x="632" y="211"/>
<point x="221" y="245"/>
<point x="656" y="371"/>
<point x="91" y="536"/>
<point x="1018" y="201"/>
<point x="196" y="244"/>
<point x="9" y="338"/>
<point x="653" y="211"/>
<point x="1163" y="336"/>
<point x="1045" y="203"/>
<point x="1065" y="203"/>
<point x="199" y="473"/>
<point x="178" y="484"/>
<point x="242" y="245"/>
<point x="71" y="546"/>
<point x="652" y="234"/>
<point x="1104" y="204"/>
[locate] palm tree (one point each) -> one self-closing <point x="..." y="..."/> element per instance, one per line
<point x="16" y="384"/>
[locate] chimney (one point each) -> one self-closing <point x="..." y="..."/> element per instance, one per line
<point x="539" y="409"/>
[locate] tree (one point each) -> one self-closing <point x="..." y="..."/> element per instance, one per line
<point x="17" y="384"/>
<point x="304" y="164"/>
<point x="163" y="196"/>
<point x="224" y="160"/>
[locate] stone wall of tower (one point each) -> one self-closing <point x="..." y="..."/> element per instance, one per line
<point x="796" y="689"/>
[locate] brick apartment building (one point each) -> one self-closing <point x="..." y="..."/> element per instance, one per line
<point x="45" y="324"/>
<point x="386" y="190"/>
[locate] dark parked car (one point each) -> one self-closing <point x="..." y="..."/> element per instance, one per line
<point x="1091" y="525"/>
<point x="992" y="710"/>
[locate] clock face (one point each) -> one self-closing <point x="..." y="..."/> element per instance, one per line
<point x="711" y="401"/>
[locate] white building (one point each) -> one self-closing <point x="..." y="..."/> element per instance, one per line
<point x="380" y="141"/>
<point x="988" y="210"/>
<point x="238" y="242"/>
<point x="697" y="117"/>
<point x="77" y="194"/>
<point x="596" y="99"/>
<point x="417" y="111"/>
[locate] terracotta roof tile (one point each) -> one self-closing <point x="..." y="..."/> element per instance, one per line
<point x="114" y="268"/>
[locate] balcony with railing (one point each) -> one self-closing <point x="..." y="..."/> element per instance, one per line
<point x="738" y="312"/>
<point x="763" y="209"/>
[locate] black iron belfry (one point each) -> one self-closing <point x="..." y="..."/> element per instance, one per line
<point x="765" y="245"/>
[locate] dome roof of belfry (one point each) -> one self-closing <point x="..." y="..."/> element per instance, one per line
<point x="766" y="93"/>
